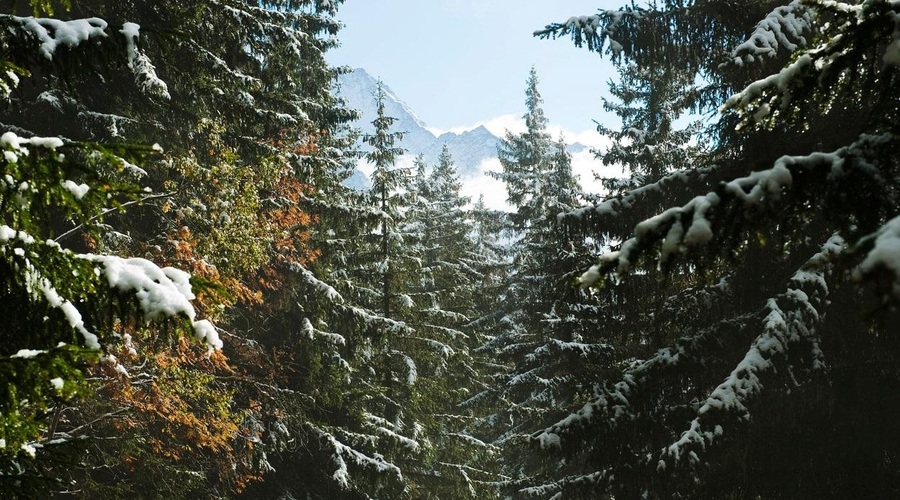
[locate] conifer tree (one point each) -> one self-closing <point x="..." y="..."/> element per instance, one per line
<point x="383" y="433"/>
<point x="742" y="296"/>
<point x="446" y="290"/>
<point x="388" y="182"/>
<point x="68" y="306"/>
<point x="647" y="147"/>
<point x="542" y="329"/>
<point x="233" y="93"/>
<point x="523" y="157"/>
<point x="334" y="307"/>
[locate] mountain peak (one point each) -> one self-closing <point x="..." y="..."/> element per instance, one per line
<point x="469" y="148"/>
<point x="359" y="87"/>
<point x="481" y="129"/>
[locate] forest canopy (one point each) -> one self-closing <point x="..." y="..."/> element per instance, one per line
<point x="197" y="305"/>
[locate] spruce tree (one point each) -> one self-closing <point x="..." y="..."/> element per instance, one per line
<point x="648" y="146"/>
<point x="388" y="184"/>
<point x="545" y="319"/>
<point x="447" y="290"/>
<point x="742" y="297"/>
<point x="390" y="429"/>
<point x="236" y="95"/>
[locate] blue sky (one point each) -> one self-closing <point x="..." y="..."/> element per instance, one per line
<point x="458" y="63"/>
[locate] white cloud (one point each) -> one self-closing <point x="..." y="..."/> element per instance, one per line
<point x="585" y="166"/>
<point x="589" y="137"/>
<point x="497" y="126"/>
<point x="504" y="123"/>
<point x="481" y="184"/>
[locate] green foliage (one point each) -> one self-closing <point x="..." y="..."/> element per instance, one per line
<point x="545" y="325"/>
<point x="734" y="284"/>
<point x="648" y="146"/>
<point x="42" y="280"/>
<point x="45" y="7"/>
<point x="49" y="186"/>
<point x="85" y="196"/>
<point x="33" y="385"/>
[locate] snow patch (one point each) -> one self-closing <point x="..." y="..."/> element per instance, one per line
<point x="27" y="353"/>
<point x="53" y="33"/>
<point x="784" y="27"/>
<point x="77" y="190"/>
<point x="144" y="72"/>
<point x="412" y="372"/>
<point x="161" y="292"/>
<point x="885" y="254"/>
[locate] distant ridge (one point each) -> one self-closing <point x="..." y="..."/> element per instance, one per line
<point x="469" y="149"/>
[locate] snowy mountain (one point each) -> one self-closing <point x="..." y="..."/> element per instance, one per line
<point x="468" y="148"/>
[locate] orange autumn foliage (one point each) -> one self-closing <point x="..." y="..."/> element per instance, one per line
<point x="174" y="400"/>
<point x="290" y="228"/>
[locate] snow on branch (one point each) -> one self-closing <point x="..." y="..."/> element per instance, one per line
<point x="342" y="452"/>
<point x="13" y="146"/>
<point x="790" y="320"/>
<point x="554" y="490"/>
<point x="307" y="328"/>
<point x="144" y="71"/>
<point x="439" y="347"/>
<point x="618" y="206"/>
<point x="779" y="83"/>
<point x="388" y="325"/>
<point x="239" y="77"/>
<point x="464" y="470"/>
<point x="389" y="430"/>
<point x="451" y="333"/>
<point x="892" y="51"/>
<point x="9" y="79"/>
<point x="556" y="346"/>
<point x="277" y="25"/>
<point x="884" y="255"/>
<point x="612" y="404"/>
<point x="684" y="228"/>
<point x="784" y="27"/>
<point x="787" y="320"/>
<point x="160" y="292"/>
<point x="327" y="290"/>
<point x="824" y="63"/>
<point x="52" y="33"/>
<point x="36" y="282"/>
<point x="342" y="209"/>
<point x="596" y="29"/>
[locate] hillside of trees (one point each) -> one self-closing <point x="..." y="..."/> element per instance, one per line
<point x="195" y="305"/>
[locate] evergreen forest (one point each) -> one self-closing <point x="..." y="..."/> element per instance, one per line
<point x="194" y="305"/>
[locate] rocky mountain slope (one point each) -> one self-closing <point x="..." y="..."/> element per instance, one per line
<point x="468" y="148"/>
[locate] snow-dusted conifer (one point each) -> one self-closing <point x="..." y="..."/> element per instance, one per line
<point x="742" y="296"/>
<point x="541" y="331"/>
